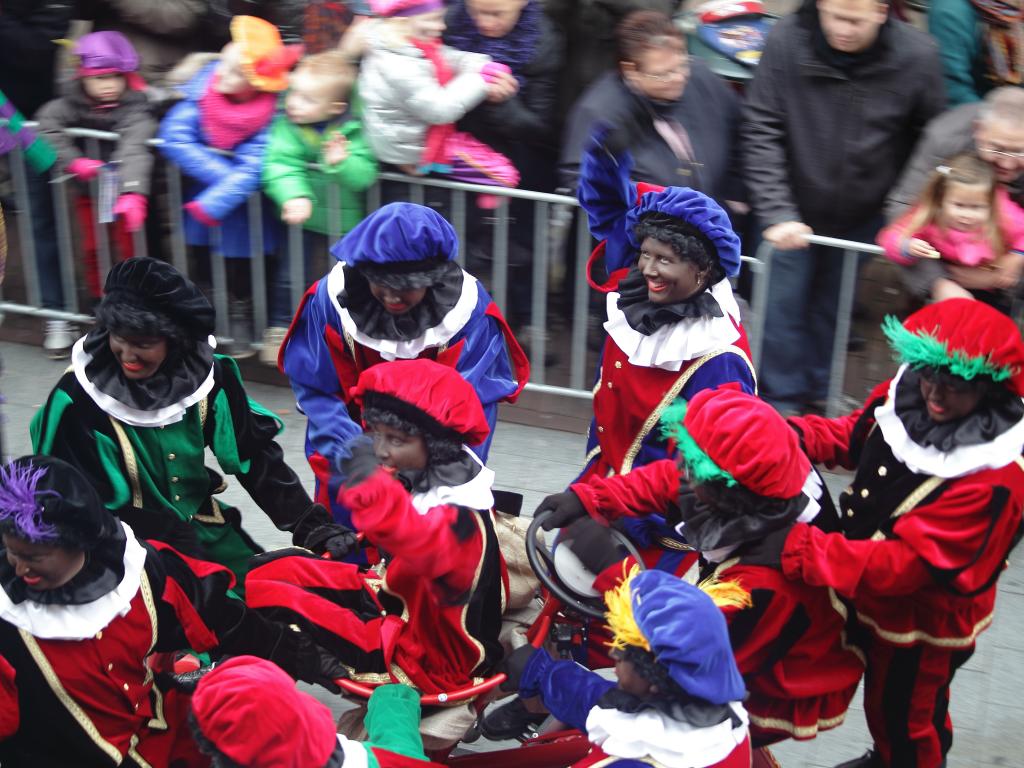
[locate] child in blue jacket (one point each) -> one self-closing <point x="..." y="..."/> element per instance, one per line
<point x="217" y="136"/>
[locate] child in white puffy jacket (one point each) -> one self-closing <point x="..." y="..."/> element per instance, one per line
<point x="415" y="88"/>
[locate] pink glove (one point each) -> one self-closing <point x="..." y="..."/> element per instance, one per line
<point x="132" y="206"/>
<point x="200" y="214"/>
<point x="492" y="69"/>
<point x="85" y="168"/>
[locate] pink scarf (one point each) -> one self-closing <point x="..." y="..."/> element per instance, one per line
<point x="227" y="123"/>
<point x="435" y="150"/>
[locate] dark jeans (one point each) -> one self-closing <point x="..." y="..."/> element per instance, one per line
<point x="800" y="321"/>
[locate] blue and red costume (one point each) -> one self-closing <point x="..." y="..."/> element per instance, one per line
<point x="640" y="374"/>
<point x="326" y="350"/>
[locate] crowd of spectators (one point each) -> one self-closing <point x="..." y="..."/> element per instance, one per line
<point x="848" y="114"/>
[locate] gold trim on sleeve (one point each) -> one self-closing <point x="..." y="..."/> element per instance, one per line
<point x="130" y="463"/>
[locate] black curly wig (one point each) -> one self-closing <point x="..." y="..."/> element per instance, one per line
<point x="129" y="320"/>
<point x="688" y="242"/>
<point x="443" y="446"/>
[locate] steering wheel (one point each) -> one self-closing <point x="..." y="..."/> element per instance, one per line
<point x="543" y="563"/>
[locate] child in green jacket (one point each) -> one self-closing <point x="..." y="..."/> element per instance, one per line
<point x="316" y="168"/>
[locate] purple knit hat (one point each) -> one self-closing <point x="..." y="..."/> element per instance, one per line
<point x="105" y="53"/>
<point x="391" y="8"/>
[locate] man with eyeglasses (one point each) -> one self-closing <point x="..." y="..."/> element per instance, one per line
<point x="677" y="118"/>
<point x="839" y="99"/>
<point x="994" y="128"/>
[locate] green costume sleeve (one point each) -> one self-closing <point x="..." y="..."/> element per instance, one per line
<point x="393" y="721"/>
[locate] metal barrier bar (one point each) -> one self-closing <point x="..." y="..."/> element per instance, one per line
<point x="48" y="314"/>
<point x="499" y="252"/>
<point x="458" y="201"/>
<point x="296" y="265"/>
<point x="522" y="194"/>
<point x="580" y="306"/>
<point x="175" y="201"/>
<point x="218" y="275"/>
<point x="257" y="265"/>
<point x="539" y="296"/>
<point x="25" y="233"/>
<point x="65" y="243"/>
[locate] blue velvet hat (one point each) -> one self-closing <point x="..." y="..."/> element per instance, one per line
<point x="699" y="211"/>
<point x="403" y="245"/>
<point x="688" y="636"/>
<point x="614" y="207"/>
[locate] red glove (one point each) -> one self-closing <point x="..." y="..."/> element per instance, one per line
<point x="85" y="168"/>
<point x="199" y="214"/>
<point x="132" y="206"/>
<point x="490" y="71"/>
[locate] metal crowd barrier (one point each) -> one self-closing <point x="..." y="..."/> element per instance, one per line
<point x="545" y="259"/>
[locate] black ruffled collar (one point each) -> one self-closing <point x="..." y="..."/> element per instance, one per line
<point x="102" y="572"/>
<point x="181" y="375"/>
<point x="991" y="419"/>
<point x="707" y="529"/>
<point x="450" y="475"/>
<point x="646" y="317"/>
<point x="376" y="322"/>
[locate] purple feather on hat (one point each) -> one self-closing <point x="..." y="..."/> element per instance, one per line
<point x="19" y="502"/>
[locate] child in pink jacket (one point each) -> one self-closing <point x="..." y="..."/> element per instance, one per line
<point x="963" y="219"/>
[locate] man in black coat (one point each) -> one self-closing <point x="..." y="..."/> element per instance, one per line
<point x="681" y="119"/>
<point x="838" y="102"/>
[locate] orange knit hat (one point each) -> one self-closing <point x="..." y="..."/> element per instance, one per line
<point x="265" y="59"/>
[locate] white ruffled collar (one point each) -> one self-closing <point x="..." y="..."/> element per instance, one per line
<point x="476" y="494"/>
<point x="78" y="622"/>
<point x="929" y="460"/>
<point x="160" y="417"/>
<point x="672" y="743"/>
<point x="672" y="345"/>
<point x="442" y="333"/>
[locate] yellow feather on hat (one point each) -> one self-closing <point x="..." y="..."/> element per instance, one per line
<point x="624" y="629"/>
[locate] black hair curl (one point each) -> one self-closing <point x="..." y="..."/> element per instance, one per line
<point x="208" y="748"/>
<point x="130" y="320"/>
<point x="688" y="242"/>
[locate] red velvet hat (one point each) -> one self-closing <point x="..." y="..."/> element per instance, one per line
<point x="966" y="337"/>
<point x="250" y="710"/>
<point x="748" y="439"/>
<point x="430" y="388"/>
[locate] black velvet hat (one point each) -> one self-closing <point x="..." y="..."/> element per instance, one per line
<point x="143" y="286"/>
<point x="46" y="500"/>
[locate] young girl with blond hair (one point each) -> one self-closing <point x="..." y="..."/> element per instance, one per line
<point x="964" y="218"/>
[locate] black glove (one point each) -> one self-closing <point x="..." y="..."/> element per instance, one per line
<point x="362" y="461"/>
<point x="513" y="666"/>
<point x="767" y="550"/>
<point x="594" y="545"/>
<point x="316" y="530"/>
<point x="311" y="663"/>
<point x="566" y="506"/>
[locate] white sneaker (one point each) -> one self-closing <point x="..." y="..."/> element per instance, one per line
<point x="273" y="338"/>
<point x="60" y="337"/>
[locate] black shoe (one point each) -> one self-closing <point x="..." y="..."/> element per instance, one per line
<point x="869" y="759"/>
<point x="510" y="721"/>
